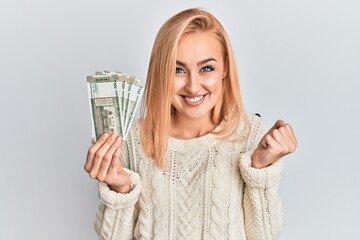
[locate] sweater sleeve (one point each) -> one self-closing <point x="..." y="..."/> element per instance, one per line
<point x="116" y="214"/>
<point x="261" y="203"/>
<point x="115" y="218"/>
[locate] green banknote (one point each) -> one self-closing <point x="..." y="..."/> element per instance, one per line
<point x="113" y="98"/>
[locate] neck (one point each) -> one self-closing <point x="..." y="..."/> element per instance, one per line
<point x="185" y="128"/>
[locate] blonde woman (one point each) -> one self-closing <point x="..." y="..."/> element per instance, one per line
<point x="195" y="166"/>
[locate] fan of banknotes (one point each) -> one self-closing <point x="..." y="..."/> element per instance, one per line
<point x="114" y="98"/>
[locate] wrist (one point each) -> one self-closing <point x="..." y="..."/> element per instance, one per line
<point x="121" y="189"/>
<point x="257" y="163"/>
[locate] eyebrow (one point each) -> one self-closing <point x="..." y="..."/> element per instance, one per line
<point x="199" y="63"/>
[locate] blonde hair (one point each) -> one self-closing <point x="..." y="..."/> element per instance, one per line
<point x="156" y="109"/>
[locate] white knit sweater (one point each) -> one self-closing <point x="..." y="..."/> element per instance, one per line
<point x="209" y="191"/>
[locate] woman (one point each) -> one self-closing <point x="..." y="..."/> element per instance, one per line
<point x="195" y="166"/>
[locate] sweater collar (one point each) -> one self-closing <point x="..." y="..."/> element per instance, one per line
<point x="206" y="141"/>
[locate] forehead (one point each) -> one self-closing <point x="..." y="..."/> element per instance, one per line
<point x="199" y="44"/>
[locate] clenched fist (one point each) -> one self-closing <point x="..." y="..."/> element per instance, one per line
<point x="277" y="142"/>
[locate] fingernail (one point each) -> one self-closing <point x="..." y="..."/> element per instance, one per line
<point x="118" y="139"/>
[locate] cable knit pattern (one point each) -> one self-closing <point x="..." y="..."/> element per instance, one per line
<point x="262" y="206"/>
<point x="109" y="222"/>
<point x="143" y="227"/>
<point x="208" y="191"/>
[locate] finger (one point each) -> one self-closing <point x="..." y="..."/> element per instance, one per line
<point x="115" y="161"/>
<point x="263" y="142"/>
<point x="104" y="166"/>
<point x="115" y="165"/>
<point x="100" y="153"/>
<point x="291" y="131"/>
<point x="272" y="145"/>
<point x="279" y="137"/>
<point x="287" y="135"/>
<point x="282" y="136"/>
<point x="92" y="150"/>
<point x="292" y="135"/>
<point x="279" y="123"/>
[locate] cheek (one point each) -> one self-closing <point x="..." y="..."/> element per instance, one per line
<point x="215" y="83"/>
<point x="177" y="85"/>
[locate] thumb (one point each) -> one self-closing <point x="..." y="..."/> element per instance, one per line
<point x="279" y="123"/>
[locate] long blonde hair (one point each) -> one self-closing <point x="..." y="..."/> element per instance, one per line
<point x="156" y="108"/>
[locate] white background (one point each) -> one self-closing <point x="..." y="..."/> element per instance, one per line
<point x="298" y="60"/>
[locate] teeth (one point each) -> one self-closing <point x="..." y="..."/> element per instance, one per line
<point x="194" y="99"/>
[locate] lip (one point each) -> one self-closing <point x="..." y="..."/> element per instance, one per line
<point x="194" y="102"/>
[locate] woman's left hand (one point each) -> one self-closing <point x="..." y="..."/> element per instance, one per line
<point x="277" y="142"/>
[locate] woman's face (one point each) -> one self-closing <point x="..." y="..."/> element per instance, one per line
<point x="199" y="72"/>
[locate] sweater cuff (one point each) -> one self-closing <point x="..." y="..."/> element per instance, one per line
<point x="116" y="200"/>
<point x="259" y="178"/>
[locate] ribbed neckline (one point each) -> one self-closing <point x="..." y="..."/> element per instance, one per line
<point x="206" y="140"/>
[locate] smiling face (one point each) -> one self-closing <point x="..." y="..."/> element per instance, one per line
<point x="198" y="78"/>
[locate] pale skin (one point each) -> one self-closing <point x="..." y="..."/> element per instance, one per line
<point x="197" y="87"/>
<point x="102" y="163"/>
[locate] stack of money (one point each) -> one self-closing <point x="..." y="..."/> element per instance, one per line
<point x="114" y="98"/>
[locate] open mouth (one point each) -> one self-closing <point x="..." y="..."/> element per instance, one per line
<point x="193" y="99"/>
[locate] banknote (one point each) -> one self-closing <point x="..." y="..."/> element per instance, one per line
<point x="135" y="89"/>
<point x="113" y="98"/>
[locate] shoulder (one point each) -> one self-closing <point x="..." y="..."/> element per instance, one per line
<point x="256" y="122"/>
<point x="257" y="129"/>
<point x="249" y="124"/>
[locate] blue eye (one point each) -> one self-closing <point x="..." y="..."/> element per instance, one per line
<point x="179" y="70"/>
<point x="207" y="69"/>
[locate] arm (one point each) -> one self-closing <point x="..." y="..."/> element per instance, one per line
<point x="261" y="203"/>
<point x="118" y="187"/>
<point x="261" y="168"/>
<point x="115" y="218"/>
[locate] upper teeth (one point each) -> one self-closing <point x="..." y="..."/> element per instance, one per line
<point x="194" y="99"/>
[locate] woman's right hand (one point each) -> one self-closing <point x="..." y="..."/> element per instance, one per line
<point x="103" y="163"/>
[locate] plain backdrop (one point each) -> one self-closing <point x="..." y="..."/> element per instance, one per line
<point x="298" y="60"/>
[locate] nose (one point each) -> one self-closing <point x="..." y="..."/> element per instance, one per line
<point x="192" y="84"/>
